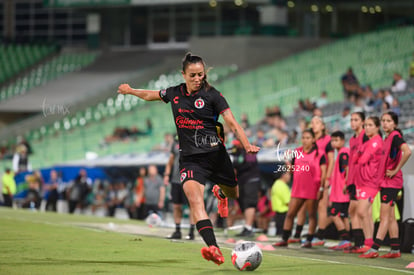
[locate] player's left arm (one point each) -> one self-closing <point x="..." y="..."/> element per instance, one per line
<point x="329" y="169"/>
<point x="238" y="131"/>
<point x="406" y="153"/>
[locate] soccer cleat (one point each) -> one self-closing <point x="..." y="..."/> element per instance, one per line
<point x="361" y="249"/>
<point x="370" y="254"/>
<point x="306" y="244"/>
<point x="349" y="249"/>
<point x="342" y="245"/>
<point x="246" y="233"/>
<point x="294" y="240"/>
<point x="318" y="242"/>
<point x="391" y="255"/>
<point x="212" y="253"/>
<point x="175" y="236"/>
<point x="190" y="237"/>
<point x="222" y="206"/>
<point x="281" y="244"/>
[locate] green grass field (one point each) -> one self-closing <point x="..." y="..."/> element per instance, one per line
<point x="49" y="243"/>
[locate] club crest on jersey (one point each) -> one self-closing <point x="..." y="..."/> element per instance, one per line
<point x="199" y="103"/>
<point x="163" y="93"/>
<point x="183" y="176"/>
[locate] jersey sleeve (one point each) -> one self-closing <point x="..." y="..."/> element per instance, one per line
<point x="220" y="103"/>
<point x="397" y="141"/>
<point x="322" y="160"/>
<point x="343" y="161"/>
<point x="329" y="148"/>
<point x="166" y="94"/>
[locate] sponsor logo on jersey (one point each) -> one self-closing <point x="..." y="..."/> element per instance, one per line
<point x="180" y="110"/>
<point x="199" y="103"/>
<point x="184" y="122"/>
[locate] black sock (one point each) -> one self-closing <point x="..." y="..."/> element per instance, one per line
<point x="298" y="231"/>
<point x="286" y="235"/>
<point x="309" y="238"/>
<point x="178" y="227"/>
<point x="191" y="229"/>
<point x="344" y="235"/>
<point x="377" y="244"/>
<point x="359" y="237"/>
<point x="320" y="234"/>
<point x="221" y="194"/>
<point x="205" y="228"/>
<point x="395" y="244"/>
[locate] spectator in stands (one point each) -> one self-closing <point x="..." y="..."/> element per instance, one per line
<point x="317" y="112"/>
<point x="280" y="198"/>
<point x="388" y="97"/>
<point x="399" y="84"/>
<point x="264" y="212"/>
<point x="379" y="99"/>
<point x="260" y="138"/>
<point x="78" y="191"/>
<point x="322" y="101"/>
<point x="22" y="140"/>
<point x="350" y="84"/>
<point x="9" y="187"/>
<point x="165" y="146"/>
<point x="50" y="189"/>
<point x="154" y="191"/>
<point x="21" y="161"/>
<point x="244" y="121"/>
<point x="395" y="106"/>
<point x="385" y="107"/>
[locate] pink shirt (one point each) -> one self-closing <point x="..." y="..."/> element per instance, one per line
<point x="369" y="159"/>
<point x="324" y="146"/>
<point x="307" y="174"/>
<point x="354" y="144"/>
<point x="390" y="160"/>
<point x="339" y="176"/>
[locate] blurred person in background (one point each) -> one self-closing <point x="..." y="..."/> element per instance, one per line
<point x="411" y="70"/>
<point x="78" y="191"/>
<point x="280" y="198"/>
<point x="8" y="188"/>
<point x="154" y="191"/>
<point x="172" y="176"/>
<point x="139" y="198"/>
<point x="264" y="212"/>
<point x="399" y="84"/>
<point x="248" y="174"/>
<point x="21" y="161"/>
<point x="50" y="190"/>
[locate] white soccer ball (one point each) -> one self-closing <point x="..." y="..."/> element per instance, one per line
<point x="246" y="256"/>
<point x="153" y="220"/>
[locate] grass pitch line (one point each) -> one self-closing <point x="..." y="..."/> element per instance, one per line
<point x="335" y="262"/>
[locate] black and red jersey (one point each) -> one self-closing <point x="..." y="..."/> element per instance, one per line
<point x="195" y="117"/>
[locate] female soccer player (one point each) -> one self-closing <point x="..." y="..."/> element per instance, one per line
<point x="196" y="107"/>
<point x="309" y="169"/>
<point x="396" y="154"/>
<point x="357" y="125"/>
<point x="323" y="141"/>
<point x="368" y="158"/>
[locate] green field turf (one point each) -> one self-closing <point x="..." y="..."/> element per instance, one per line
<point x="48" y="243"/>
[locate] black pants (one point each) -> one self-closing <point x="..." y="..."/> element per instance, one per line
<point x="8" y="201"/>
<point x="280" y="220"/>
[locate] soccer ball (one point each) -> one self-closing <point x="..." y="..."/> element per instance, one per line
<point x="153" y="220"/>
<point x="246" y="256"/>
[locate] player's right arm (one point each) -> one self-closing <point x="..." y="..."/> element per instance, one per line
<point x="147" y="95"/>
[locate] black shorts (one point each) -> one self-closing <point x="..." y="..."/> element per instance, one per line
<point x="177" y="194"/>
<point x="389" y="195"/>
<point x="248" y="192"/>
<point x="339" y="209"/>
<point x="351" y="189"/>
<point x="214" y="166"/>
